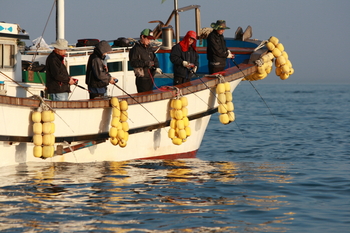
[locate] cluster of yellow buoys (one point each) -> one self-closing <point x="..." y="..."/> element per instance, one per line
<point x="226" y="107"/>
<point x="283" y="66"/>
<point x="43" y="129"/>
<point x="179" y="124"/>
<point x="118" y="133"/>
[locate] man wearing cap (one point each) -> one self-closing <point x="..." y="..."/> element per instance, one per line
<point x="58" y="80"/>
<point x="185" y="58"/>
<point x="144" y="62"/>
<point x="217" y="52"/>
<point x="97" y="76"/>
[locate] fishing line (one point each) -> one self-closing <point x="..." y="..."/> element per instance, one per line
<point x="261" y="99"/>
<point x="136" y="101"/>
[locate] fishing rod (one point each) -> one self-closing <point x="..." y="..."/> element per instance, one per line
<point x="136" y="101"/>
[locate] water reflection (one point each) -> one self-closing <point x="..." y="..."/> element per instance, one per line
<point x="145" y="196"/>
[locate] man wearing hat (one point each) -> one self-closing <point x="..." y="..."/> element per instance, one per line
<point x="144" y="62"/>
<point x="58" y="80"/>
<point x="217" y="52"/>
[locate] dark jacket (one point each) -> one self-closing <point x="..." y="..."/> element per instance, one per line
<point x="96" y="73"/>
<point x="140" y="57"/>
<point x="216" y="49"/>
<point x="57" y="77"/>
<point x="177" y="56"/>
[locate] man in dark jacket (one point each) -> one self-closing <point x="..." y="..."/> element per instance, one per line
<point x="184" y="58"/>
<point x="217" y="52"/>
<point x="97" y="76"/>
<point x="58" y="80"/>
<point x="144" y="62"/>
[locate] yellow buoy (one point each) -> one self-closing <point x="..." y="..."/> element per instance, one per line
<point x="177" y="104"/>
<point x="278" y="71"/>
<point x="125" y="126"/>
<point x="46" y="116"/>
<point x="291" y="71"/>
<point x="52" y="116"/>
<point x="122" y="143"/>
<point x="46" y="128"/>
<point x="114" y="141"/>
<point x="180" y="124"/>
<point x="281" y="60"/>
<point x="126" y="136"/>
<point x="178" y="115"/>
<point x="182" y="133"/>
<point x="289" y="63"/>
<point x="37" y="128"/>
<point x="123" y="116"/>
<point x="123" y="105"/>
<point x="116" y="112"/>
<point x="171" y="133"/>
<point x="115" y="102"/>
<point x="231" y="116"/>
<point x="270" y="46"/>
<point x="274" y="40"/>
<point x="177" y="141"/>
<point x="229" y="97"/>
<point x="268" y="70"/>
<point x="261" y="69"/>
<point x="47" y="140"/>
<point x="120" y="134"/>
<point x="280" y="47"/>
<point x="184" y="101"/>
<point x="184" y="111"/>
<point x="222" y="108"/>
<point x="37" y="151"/>
<point x="186" y="121"/>
<point x="221" y="98"/>
<point x="220" y="88"/>
<point x="53" y="139"/>
<point x="173" y="123"/>
<point x="270" y="55"/>
<point x="115" y="122"/>
<point x="230" y="106"/>
<point x="276" y="52"/>
<point x="113" y="132"/>
<point x="285" y="69"/>
<point x="285" y="55"/>
<point x="188" y="131"/>
<point x="224" y="118"/>
<point x="38" y="139"/>
<point x="227" y="87"/>
<point x="48" y="151"/>
<point x="36" y="117"/>
<point x="284" y="76"/>
<point x="53" y="128"/>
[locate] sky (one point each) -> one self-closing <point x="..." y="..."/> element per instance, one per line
<point x="315" y="33"/>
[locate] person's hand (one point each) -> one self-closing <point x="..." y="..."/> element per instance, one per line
<point x="112" y="80"/>
<point x="159" y="71"/>
<point x="230" y="55"/>
<point x="185" y="63"/>
<point x="72" y="81"/>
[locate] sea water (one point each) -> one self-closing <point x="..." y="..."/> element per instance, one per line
<point x="282" y="166"/>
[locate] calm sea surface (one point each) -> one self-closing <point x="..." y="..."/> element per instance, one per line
<point x="286" y="172"/>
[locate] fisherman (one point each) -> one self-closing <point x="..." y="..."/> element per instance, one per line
<point x="58" y="80"/>
<point x="217" y="52"/>
<point x="184" y="58"/>
<point x="97" y="76"/>
<point x="144" y="62"/>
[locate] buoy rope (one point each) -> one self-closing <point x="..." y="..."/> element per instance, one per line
<point x="262" y="44"/>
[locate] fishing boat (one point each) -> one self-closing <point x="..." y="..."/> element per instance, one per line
<point x="168" y="122"/>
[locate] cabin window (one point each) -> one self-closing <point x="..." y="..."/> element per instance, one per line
<point x="115" y="66"/>
<point x="77" y="70"/>
<point x="129" y="66"/>
<point x="7" y="55"/>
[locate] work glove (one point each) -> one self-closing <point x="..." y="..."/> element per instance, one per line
<point x="159" y="70"/>
<point x="185" y="63"/>
<point x="230" y="55"/>
<point x="194" y="70"/>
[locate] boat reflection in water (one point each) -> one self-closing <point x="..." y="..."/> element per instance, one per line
<point x="145" y="196"/>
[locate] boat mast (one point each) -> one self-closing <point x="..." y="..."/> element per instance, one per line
<point x="60" y="19"/>
<point x="177" y="23"/>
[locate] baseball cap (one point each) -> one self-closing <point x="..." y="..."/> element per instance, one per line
<point x="148" y="33"/>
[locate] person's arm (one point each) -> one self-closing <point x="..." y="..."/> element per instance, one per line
<point x="135" y="58"/>
<point x="216" y="47"/>
<point x="175" y="55"/>
<point x="58" y="70"/>
<point x="99" y="71"/>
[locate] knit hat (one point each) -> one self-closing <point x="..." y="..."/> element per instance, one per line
<point x="61" y="44"/>
<point x="219" y="25"/>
